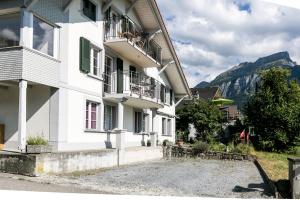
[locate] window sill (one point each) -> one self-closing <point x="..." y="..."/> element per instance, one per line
<point x="95" y="77"/>
<point x="143" y="133"/>
<point x="94" y="131"/>
<point x="166" y="135"/>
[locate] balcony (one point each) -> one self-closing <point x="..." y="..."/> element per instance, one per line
<point x="138" y="89"/>
<point x="23" y="63"/>
<point x="131" y="42"/>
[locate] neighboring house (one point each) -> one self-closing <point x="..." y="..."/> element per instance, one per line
<point x="77" y="72"/>
<point x="231" y="112"/>
<point x="207" y="93"/>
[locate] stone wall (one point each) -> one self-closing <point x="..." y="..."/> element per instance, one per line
<point x="68" y="162"/>
<point x="179" y="152"/>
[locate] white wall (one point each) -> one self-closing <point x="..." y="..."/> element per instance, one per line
<point x="38" y="118"/>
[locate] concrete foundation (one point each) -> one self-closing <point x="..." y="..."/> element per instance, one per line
<point x="68" y="162"/>
<point x="294" y="177"/>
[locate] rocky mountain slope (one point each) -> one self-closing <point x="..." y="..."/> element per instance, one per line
<point x="238" y="82"/>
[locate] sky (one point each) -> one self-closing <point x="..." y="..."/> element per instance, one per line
<point x="211" y="36"/>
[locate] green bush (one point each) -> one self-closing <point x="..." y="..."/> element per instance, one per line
<point x="166" y="143"/>
<point x="38" y="140"/>
<point x="217" y="147"/>
<point x="240" y="149"/>
<point x="200" y="147"/>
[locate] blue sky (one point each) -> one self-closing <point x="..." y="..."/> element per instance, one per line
<point x="211" y="36"/>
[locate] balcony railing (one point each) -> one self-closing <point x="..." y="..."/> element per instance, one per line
<point x="133" y="83"/>
<point x="124" y="28"/>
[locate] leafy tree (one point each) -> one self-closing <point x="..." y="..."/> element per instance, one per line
<point x="205" y="116"/>
<point x="274" y="111"/>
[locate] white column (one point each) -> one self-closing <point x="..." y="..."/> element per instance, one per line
<point x="120" y="116"/>
<point x="22" y="115"/>
<point x="120" y="132"/>
<point x="26" y="31"/>
<point x="154" y="130"/>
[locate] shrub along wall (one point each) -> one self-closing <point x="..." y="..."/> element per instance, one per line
<point x="187" y="152"/>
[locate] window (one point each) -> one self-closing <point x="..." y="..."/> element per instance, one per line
<point x="108" y="68"/>
<point x="89" y="9"/>
<point x="91" y="115"/>
<point x="109" y="117"/>
<point x="138" y="122"/>
<point x="162" y="94"/>
<point x="9" y="30"/>
<point x="169" y="127"/>
<point x="43" y="36"/>
<point x="95" y="59"/>
<point x="145" y="122"/>
<point x="164" y="127"/>
<point x="167" y="96"/>
<point x="141" y="121"/>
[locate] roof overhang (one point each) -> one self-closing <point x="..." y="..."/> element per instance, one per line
<point x="173" y="73"/>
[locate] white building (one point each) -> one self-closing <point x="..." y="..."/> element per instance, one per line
<point x="81" y="72"/>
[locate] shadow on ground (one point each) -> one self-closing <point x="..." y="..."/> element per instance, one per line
<point x="254" y="187"/>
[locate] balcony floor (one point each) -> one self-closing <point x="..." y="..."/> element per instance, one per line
<point x="132" y="52"/>
<point x="134" y="100"/>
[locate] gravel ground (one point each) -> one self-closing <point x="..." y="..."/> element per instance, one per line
<point x="205" y="178"/>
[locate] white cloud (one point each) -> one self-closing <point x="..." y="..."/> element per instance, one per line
<point x="9" y="34"/>
<point x="212" y="36"/>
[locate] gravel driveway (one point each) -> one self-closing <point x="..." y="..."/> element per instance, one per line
<point x="205" y="178"/>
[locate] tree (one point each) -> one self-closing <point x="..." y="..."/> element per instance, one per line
<point x="205" y="117"/>
<point x="274" y="111"/>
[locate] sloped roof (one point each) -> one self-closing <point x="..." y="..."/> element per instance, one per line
<point x="207" y="93"/>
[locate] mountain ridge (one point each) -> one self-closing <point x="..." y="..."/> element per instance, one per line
<point x="239" y="82"/>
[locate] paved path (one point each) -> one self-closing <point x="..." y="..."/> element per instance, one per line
<point x="205" y="178"/>
<point x="12" y="182"/>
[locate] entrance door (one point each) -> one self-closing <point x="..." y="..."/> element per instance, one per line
<point x="1" y="136"/>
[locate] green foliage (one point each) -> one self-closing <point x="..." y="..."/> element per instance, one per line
<point x="205" y="116"/>
<point x="182" y="135"/>
<point x="167" y="143"/>
<point x="200" y="147"/>
<point x="38" y="140"/>
<point x="274" y="111"/>
<point x="217" y="147"/>
<point x="240" y="149"/>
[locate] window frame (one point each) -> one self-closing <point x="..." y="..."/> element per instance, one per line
<point x="88" y="115"/>
<point x="169" y="127"/>
<point x="99" y="61"/>
<point x="108" y="86"/>
<point x="20" y="24"/>
<point x="51" y="25"/>
<point x="56" y="35"/>
<point x="163" y="127"/>
<point x="166" y="128"/>
<point x="113" y="117"/>
<point x="96" y="10"/>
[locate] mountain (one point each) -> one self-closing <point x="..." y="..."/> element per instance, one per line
<point x="202" y="84"/>
<point x="238" y="82"/>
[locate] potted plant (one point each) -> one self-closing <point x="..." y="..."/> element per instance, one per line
<point x="37" y="145"/>
<point x="148" y="143"/>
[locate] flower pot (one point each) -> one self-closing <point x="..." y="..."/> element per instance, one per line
<point x="148" y="143"/>
<point x="37" y="149"/>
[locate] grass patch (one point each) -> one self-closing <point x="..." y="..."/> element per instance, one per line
<point x="275" y="164"/>
<point x="38" y="140"/>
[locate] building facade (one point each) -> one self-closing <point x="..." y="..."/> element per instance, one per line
<point x="80" y="72"/>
